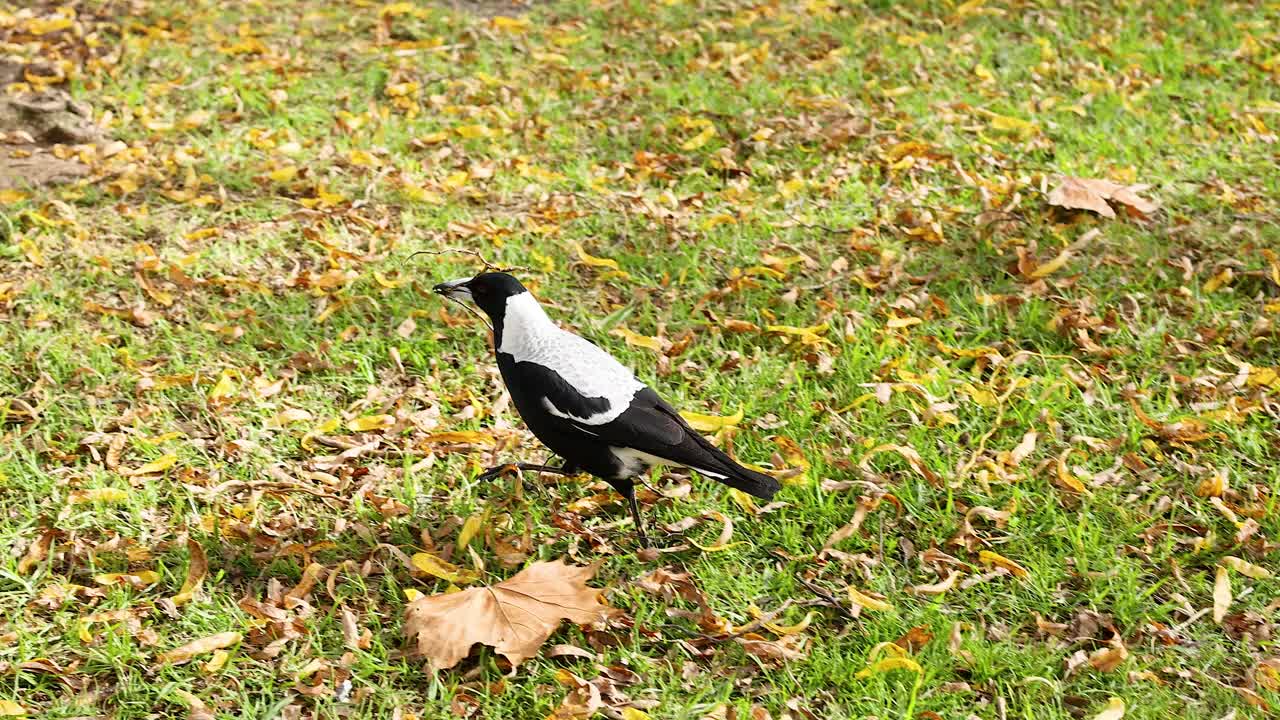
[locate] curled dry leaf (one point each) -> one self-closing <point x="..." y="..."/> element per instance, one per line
<point x="514" y="617"/>
<point x="722" y="542"/>
<point x="1246" y="568"/>
<point x="37" y="551"/>
<point x="937" y="588"/>
<point x="987" y="557"/>
<point x="1086" y="194"/>
<point x="865" y="601"/>
<point x="197" y="568"/>
<point x="1109" y="658"/>
<point x="195" y="648"/>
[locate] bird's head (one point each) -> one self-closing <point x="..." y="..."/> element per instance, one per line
<point x="488" y="290"/>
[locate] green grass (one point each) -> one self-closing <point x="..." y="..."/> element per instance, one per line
<point x="576" y="130"/>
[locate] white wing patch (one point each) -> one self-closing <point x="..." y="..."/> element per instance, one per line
<point x="528" y="335"/>
<point x="635" y="462"/>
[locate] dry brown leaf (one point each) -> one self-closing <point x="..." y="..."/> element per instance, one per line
<point x="199" y="647"/>
<point x="197" y="568"/>
<point x="1109" y="658"/>
<point x="197" y="709"/>
<point x="37" y="551"/>
<point x="514" y="617"/>
<point x="936" y="588"/>
<point x="1085" y="194"/>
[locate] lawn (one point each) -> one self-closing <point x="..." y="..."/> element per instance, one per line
<point x="1030" y="453"/>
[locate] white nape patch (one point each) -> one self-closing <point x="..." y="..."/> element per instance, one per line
<point x="528" y="335"/>
<point x="635" y="462"/>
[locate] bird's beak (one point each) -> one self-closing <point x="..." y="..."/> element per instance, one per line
<point x="454" y="289"/>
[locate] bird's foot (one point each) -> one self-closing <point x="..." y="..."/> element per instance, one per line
<point x="513" y="468"/>
<point x="498" y="471"/>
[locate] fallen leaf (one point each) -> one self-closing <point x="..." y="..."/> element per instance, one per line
<point x="1083" y="194"/>
<point x="1246" y="568"/>
<point x="196" y="708"/>
<point x="1221" y="594"/>
<point x="204" y="645"/>
<point x="1114" y="710"/>
<point x="636" y="339"/>
<point x="9" y="708"/>
<point x="726" y="532"/>
<point x="937" y="588"/>
<point x="435" y="567"/>
<point x="102" y="495"/>
<point x="371" y="422"/>
<point x="711" y="423"/>
<point x="987" y="557"/>
<point x="1109" y="658"/>
<point x="515" y="616"/>
<point x="37" y="551"/>
<point x="197" y="568"/>
<point x="159" y="465"/>
<point x="857" y="597"/>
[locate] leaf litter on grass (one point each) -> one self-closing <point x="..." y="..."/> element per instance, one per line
<point x="985" y="409"/>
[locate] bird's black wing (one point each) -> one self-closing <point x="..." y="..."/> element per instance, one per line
<point x="557" y="391"/>
<point x="650" y="425"/>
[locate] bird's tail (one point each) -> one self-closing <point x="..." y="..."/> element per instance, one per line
<point x="729" y="472"/>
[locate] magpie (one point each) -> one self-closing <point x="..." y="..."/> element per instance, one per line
<point x="585" y="405"/>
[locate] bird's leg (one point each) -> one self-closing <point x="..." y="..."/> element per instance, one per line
<point x="508" y="468"/>
<point x="630" y="495"/>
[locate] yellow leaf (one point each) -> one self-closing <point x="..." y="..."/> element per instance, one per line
<point x="702" y="138"/>
<point x="216" y="662"/>
<point x="435" y="567"/>
<point x="721" y="543"/>
<point x="433" y="138"/>
<point x="1221" y="594"/>
<point x="807" y="335"/>
<point x="9" y="196"/>
<point x="371" y="422"/>
<point x="144" y="577"/>
<point x="512" y="25"/>
<point x="901" y="322"/>
<point x="9" y="708"/>
<point x="160" y="464"/>
<point x="473" y="132"/>
<point x="1013" y="126"/>
<point x="195" y="119"/>
<point x="1052" y="266"/>
<point x="791" y="629"/>
<point x="103" y="495"/>
<point x="630" y="713"/>
<point x="458" y="437"/>
<point x="282" y="175"/>
<point x="410" y="594"/>
<point x="987" y="557"/>
<point x="224" y="388"/>
<point x="469" y="530"/>
<point x="199" y="647"/>
<point x="865" y="601"/>
<point x="197" y="568"/>
<point x="594" y="261"/>
<point x="637" y="340"/>
<point x="1222" y="279"/>
<point x="1246" y="568"/>
<point x="1113" y="711"/>
<point x="32" y="251"/>
<point x="889" y="664"/>
<point x="711" y="423"/>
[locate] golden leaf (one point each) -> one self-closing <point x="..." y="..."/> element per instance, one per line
<point x="515" y="617"/>
<point x="711" y="423"/>
<point x="224" y="388"/>
<point x="857" y="597"/>
<point x="469" y="530"/>
<point x="1221" y="594"/>
<point x="204" y="645"/>
<point x="197" y="568"/>
<point x="702" y="138"/>
<point x="435" y="567"/>
<point x="371" y="422"/>
<point x="160" y="464"/>
<point x="1014" y="126"/>
<point x="987" y="557"/>
<point x="637" y="340"/>
<point x="143" y="577"/>
<point x="722" y="542"/>
<point x="1113" y="711"/>
<point x="103" y="495"/>
<point x="9" y="708"/>
<point x="936" y="588"/>
<point x="889" y="664"/>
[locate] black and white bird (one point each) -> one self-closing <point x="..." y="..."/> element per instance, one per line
<point x="585" y="405"/>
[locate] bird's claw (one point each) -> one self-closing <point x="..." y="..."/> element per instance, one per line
<point x="498" y="471"/>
